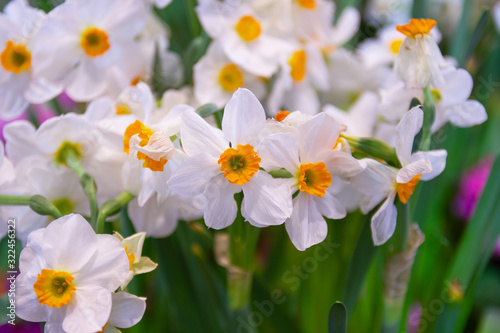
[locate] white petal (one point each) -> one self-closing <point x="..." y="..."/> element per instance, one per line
<point x="437" y="159"/>
<point x="341" y="164"/>
<point x="306" y="227"/>
<point x="409" y="126"/>
<point x="20" y="140"/>
<point x="69" y="243"/>
<point x="458" y="87"/>
<point x="412" y="169"/>
<point x="330" y="206"/>
<point x="278" y="151"/>
<point x="384" y="220"/>
<point x="127" y="310"/>
<point x="267" y="201"/>
<point x="468" y="114"/>
<point x="157" y="221"/>
<point x="88" y="310"/>
<point x="316" y="135"/>
<point x="244" y="116"/>
<point x="377" y="178"/>
<point x="108" y="268"/>
<point x="198" y="136"/>
<point x="220" y="208"/>
<point x="87" y="83"/>
<point x="193" y="175"/>
<point x="347" y="25"/>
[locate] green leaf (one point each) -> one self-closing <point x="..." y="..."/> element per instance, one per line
<point x="207" y="110"/>
<point x="476" y="37"/>
<point x="337" y="319"/>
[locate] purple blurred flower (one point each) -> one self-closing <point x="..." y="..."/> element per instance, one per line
<point x="21" y="326"/>
<point x="42" y="112"/>
<point x="66" y="103"/>
<point x="470" y="189"/>
<point x="414" y="318"/>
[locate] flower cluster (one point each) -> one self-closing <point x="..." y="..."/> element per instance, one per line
<point x="290" y="113"/>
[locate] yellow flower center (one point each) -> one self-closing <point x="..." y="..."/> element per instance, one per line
<point x="54" y="288"/>
<point x="15" y="58"/>
<point x="131" y="257"/>
<point x="122" y="110"/>
<point x="135" y="81"/>
<point x="64" y="206"/>
<point x="281" y="115"/>
<point x="298" y="65"/>
<point x="396" y="45"/>
<point x="230" y="77"/>
<point x="248" y="28"/>
<point x="94" y="42"/>
<point x="240" y="164"/>
<point x="416" y="27"/>
<point x="314" y="178"/>
<point x="307" y="4"/>
<point x="436" y="96"/>
<point x="145" y="134"/>
<point x="406" y="190"/>
<point x="68" y="148"/>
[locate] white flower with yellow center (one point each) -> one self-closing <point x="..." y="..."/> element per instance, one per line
<point x="222" y="163"/>
<point x="80" y="40"/>
<point x="242" y="35"/>
<point x="310" y="157"/>
<point x="137" y="263"/>
<point x="216" y="78"/>
<point x="68" y="275"/>
<point x="303" y="71"/>
<point x="419" y="61"/>
<point x="379" y="181"/>
<point x="19" y="26"/>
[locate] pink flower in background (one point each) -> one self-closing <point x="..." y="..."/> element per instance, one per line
<point x="414" y="318"/>
<point x="42" y="112"/>
<point x="66" y="103"/>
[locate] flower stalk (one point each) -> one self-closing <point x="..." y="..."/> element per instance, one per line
<point x="112" y="207"/>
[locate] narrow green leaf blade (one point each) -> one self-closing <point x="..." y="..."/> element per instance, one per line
<point x="337" y="319"/>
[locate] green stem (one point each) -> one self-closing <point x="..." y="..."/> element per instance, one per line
<point x="402" y="227"/>
<point x="374" y="148"/>
<point x="429" y="114"/>
<point x="14" y="200"/>
<point x="112" y="207"/>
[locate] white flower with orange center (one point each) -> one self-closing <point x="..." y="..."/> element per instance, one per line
<point x="318" y="169"/>
<point x="19" y="26"/>
<point x="88" y="38"/>
<point x="222" y="163"/>
<point x="68" y="275"/>
<point x="420" y="60"/>
<point x="242" y="35"/>
<point x="216" y="78"/>
<point x="379" y="181"/>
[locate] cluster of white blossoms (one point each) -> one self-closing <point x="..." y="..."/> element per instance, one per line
<point x="295" y="105"/>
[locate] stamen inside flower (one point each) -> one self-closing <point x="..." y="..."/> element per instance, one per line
<point x="68" y="148"/>
<point x="298" y="65"/>
<point x="94" y="42"/>
<point x="314" y="178"/>
<point x="64" y="206"/>
<point x="281" y="115"/>
<point x="122" y="110"/>
<point x="230" y="77"/>
<point x="145" y="134"/>
<point x="15" y="58"/>
<point x="240" y="164"/>
<point x="406" y="190"/>
<point x="416" y="27"/>
<point x="436" y="96"/>
<point x="54" y="288"/>
<point x="396" y="45"/>
<point x="307" y="4"/>
<point x="248" y="28"/>
<point x="131" y="257"/>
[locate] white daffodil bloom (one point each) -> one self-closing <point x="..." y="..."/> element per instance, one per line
<point x="419" y="61"/>
<point x="379" y="181"/>
<point x="60" y="186"/>
<point x="68" y="275"/>
<point x="302" y="72"/>
<point x="222" y="163"/>
<point x="452" y="103"/>
<point x="216" y="78"/>
<point x="310" y="157"/>
<point x="87" y="37"/>
<point x="126" y="311"/>
<point x="242" y="35"/>
<point x="19" y="25"/>
<point x="138" y="264"/>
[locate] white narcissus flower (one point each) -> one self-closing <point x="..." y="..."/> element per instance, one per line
<point x="419" y="61"/>
<point x="88" y="37"/>
<point x="137" y="263"/>
<point x="222" y="163"/>
<point x="316" y="167"/>
<point x="68" y="275"/>
<point x="242" y="35"/>
<point x="19" y="25"/>
<point x="380" y="181"/>
<point x="216" y="78"/>
<point x="126" y="311"/>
